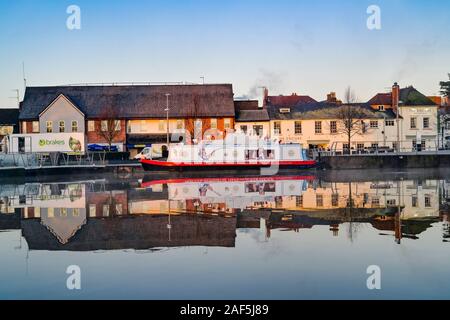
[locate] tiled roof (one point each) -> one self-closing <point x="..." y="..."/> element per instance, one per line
<point x="409" y="96"/>
<point x="252" y="115"/>
<point x="246" y="105"/>
<point x="322" y="110"/>
<point x="9" y="116"/>
<point x="136" y="102"/>
<point x="288" y="101"/>
<point x="381" y="99"/>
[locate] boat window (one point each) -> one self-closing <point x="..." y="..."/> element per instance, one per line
<point x="260" y="187"/>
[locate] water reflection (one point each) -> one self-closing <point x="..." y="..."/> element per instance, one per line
<point x="154" y="214"/>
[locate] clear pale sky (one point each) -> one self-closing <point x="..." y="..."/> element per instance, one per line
<point x="308" y="47"/>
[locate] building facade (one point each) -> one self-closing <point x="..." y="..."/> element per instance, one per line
<point x="130" y="117"/>
<point x="252" y="120"/>
<point x="9" y="123"/>
<point x="417" y="119"/>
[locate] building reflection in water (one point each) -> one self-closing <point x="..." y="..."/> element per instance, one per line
<point x="97" y="215"/>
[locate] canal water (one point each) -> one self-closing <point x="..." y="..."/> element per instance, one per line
<point x="293" y="236"/>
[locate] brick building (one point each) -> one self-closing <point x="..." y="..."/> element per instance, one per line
<point x="137" y="111"/>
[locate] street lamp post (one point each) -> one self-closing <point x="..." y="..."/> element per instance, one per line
<point x="167" y="115"/>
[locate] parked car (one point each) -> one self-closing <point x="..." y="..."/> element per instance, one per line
<point x="99" y="148"/>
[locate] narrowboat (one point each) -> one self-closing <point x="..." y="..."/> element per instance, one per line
<point x="216" y="155"/>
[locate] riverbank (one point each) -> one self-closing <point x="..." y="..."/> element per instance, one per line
<point x="22" y="172"/>
<point x="383" y="161"/>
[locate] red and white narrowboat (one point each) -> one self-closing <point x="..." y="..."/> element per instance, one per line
<point x="217" y="155"/>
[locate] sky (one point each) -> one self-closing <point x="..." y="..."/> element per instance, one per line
<point x="306" y="47"/>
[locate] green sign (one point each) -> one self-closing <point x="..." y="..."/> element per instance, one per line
<point x="45" y="142"/>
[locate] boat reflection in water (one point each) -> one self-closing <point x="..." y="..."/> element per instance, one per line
<point x="155" y="214"/>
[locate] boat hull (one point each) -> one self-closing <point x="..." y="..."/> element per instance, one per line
<point x="156" y="165"/>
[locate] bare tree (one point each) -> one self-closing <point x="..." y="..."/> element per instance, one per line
<point x="350" y="117"/>
<point x="194" y="114"/>
<point x="109" y="127"/>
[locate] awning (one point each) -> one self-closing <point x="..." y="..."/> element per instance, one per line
<point x="313" y="142"/>
<point x="146" y="140"/>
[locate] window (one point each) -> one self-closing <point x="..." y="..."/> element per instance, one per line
<point x="335" y="199"/>
<point x="244" y="129"/>
<point x="285" y="110"/>
<point x="35" y="126"/>
<point x="91" y="126"/>
<point x="49" y="126"/>
<point x="180" y="124"/>
<point x="24" y="127"/>
<point x="375" y="202"/>
<point x="426" y="123"/>
<point x="319" y="200"/>
<point x="374" y="145"/>
<point x="143" y="126"/>
<point x="105" y="210"/>
<point x="390" y="123"/>
<point x="92" y="210"/>
<point x="76" y="212"/>
<point x="298" y="127"/>
<point x="104" y="125"/>
<point x="318" y="127"/>
<point x="74" y="126"/>
<point x="299" y="201"/>
<point x="119" y="210"/>
<point x="380" y="108"/>
<point x="414" y="201"/>
<point x="213" y="123"/>
<point x="277" y="127"/>
<point x="162" y="125"/>
<point x="62" y="126"/>
<point x="428" y="201"/>
<point x="413" y="123"/>
<point x="258" y="130"/>
<point x="374" y="124"/>
<point x="333" y="127"/>
<point x="227" y="123"/>
<point x="360" y="146"/>
<point x="117" y="125"/>
<point x="391" y="202"/>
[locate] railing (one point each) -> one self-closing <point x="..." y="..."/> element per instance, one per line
<point x="167" y="83"/>
<point x="54" y="159"/>
<point x="380" y="148"/>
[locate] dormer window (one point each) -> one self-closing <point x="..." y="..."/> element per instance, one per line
<point x="285" y="110"/>
<point x="380" y="108"/>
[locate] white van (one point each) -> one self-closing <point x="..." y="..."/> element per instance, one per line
<point x="154" y="152"/>
<point x="146" y="153"/>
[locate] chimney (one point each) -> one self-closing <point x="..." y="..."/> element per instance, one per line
<point x="331" y="97"/>
<point x="395" y="96"/>
<point x="265" y="97"/>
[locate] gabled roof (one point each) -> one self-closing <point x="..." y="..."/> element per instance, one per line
<point x="135" y="102"/>
<point x="409" y="96"/>
<point x="381" y="99"/>
<point x="63" y="97"/>
<point x="9" y="117"/>
<point x="412" y="97"/>
<point x="288" y="101"/>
